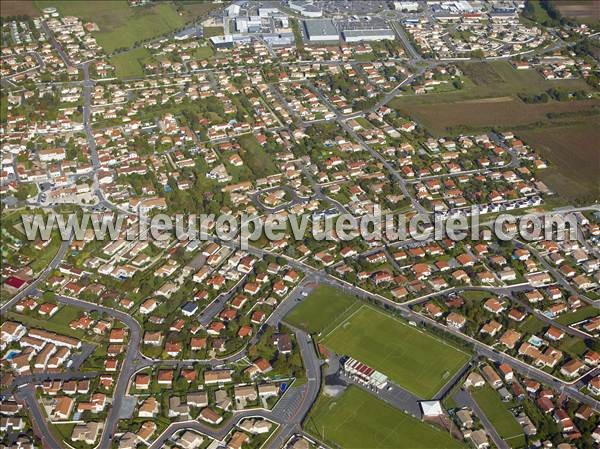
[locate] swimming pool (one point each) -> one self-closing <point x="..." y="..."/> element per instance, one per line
<point x="11" y="354"/>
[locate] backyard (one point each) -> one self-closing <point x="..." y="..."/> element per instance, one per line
<point x="501" y="418"/>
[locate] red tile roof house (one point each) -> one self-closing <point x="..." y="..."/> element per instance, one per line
<point x="421" y="270"/>
<point x="465" y="260"/>
<point x="215" y="328"/>
<point x="173" y="348"/>
<point x="455" y="320"/>
<point x="257" y="317"/>
<point x="592" y="358"/>
<point x="117" y="335"/>
<point x="433" y="310"/>
<point x="210" y="416"/>
<point x="516" y="315"/>
<point x="507" y="371"/>
<point x="381" y="277"/>
<point x="14" y="283"/>
<point x="494" y="306"/>
<point x="142" y="381"/>
<point x="48" y="309"/>
<point x="594" y="385"/>
<point x="263" y="365"/>
<point x="165" y="377"/>
<point x="244" y="331"/>
<point x="238" y="302"/>
<point x="251" y="288"/>
<point x="197" y="343"/>
<point x="400" y="293"/>
<point x="554" y="334"/>
<point x="572" y="368"/>
<point x="545" y="405"/>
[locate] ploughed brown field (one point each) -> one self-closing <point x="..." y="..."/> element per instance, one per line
<point x="18" y="8"/>
<point x="443" y="118"/>
<point x="573" y="151"/>
<point x="586" y="10"/>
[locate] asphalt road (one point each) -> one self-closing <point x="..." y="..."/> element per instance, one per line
<point x="31" y="288"/>
<point x="288" y="412"/>
<point x="464" y="399"/>
<point x="27" y="394"/>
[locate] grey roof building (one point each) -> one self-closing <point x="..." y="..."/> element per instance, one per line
<point x="321" y="30"/>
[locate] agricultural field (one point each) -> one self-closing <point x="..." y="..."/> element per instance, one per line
<point x="18" y="8"/>
<point x="573" y="152"/>
<point x="484" y="80"/>
<point x="563" y="131"/>
<point x="195" y="8"/>
<point x="411" y="358"/>
<point x="489" y="99"/>
<point x="121" y="25"/>
<point x="322" y="307"/>
<point x="585" y="11"/>
<point x="500" y="112"/>
<point x="502" y="420"/>
<point x="130" y="64"/>
<point x="356" y="419"/>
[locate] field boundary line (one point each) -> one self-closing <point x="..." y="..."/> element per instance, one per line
<point x="514" y="436"/>
<point x="423" y="331"/>
<point x="342" y="322"/>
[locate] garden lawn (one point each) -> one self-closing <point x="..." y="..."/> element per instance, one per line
<point x="574" y="317"/>
<point x="500" y="417"/>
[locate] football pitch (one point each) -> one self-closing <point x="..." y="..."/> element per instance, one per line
<point x="323" y="307"/>
<point x="409" y="357"/>
<point x="356" y="419"/>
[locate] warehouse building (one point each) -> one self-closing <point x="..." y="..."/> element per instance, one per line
<point x="230" y="40"/>
<point x="409" y="6"/>
<point x="306" y="8"/>
<point x="322" y="30"/>
<point x="368" y="35"/>
<point x="250" y="24"/>
<point x="283" y="39"/>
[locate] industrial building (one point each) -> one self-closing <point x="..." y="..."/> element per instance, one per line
<point x="365" y="28"/>
<point x="306" y="8"/>
<point x="233" y="10"/>
<point x="230" y="40"/>
<point x="321" y="30"/>
<point x="266" y="12"/>
<point x="368" y="35"/>
<point x="283" y="39"/>
<point x="408" y="6"/>
<point x="249" y="24"/>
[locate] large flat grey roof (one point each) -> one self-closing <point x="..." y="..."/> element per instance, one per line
<point x="320" y="27"/>
<point x="353" y="33"/>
